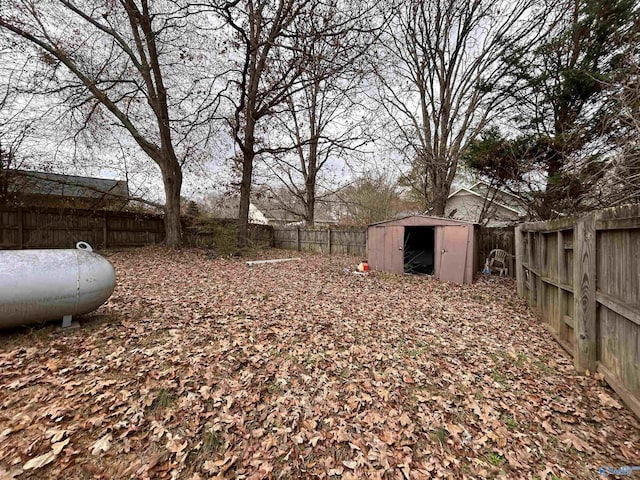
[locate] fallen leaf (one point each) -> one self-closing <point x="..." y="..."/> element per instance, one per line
<point x="52" y="365"/>
<point x="608" y="401"/>
<point x="352" y="464"/>
<point x="404" y="420"/>
<point x="576" y="442"/>
<point x="58" y="446"/>
<point x="335" y="471"/>
<point x="219" y="466"/>
<point x="40" y="461"/>
<point x="101" y="445"/>
<point x="548" y="428"/>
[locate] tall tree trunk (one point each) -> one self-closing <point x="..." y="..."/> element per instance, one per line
<point x="310" y="181"/>
<point x="245" y="196"/>
<point x="440" y="188"/>
<point x="439" y="203"/>
<point x="310" y="204"/>
<point x="553" y="188"/>
<point x="172" y="179"/>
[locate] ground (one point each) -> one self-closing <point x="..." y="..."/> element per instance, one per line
<point x="200" y="368"/>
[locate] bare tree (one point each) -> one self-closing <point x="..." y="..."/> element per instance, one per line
<point x="14" y="131"/>
<point x="372" y="197"/>
<point x="275" y="39"/>
<point x="262" y="30"/>
<point x="124" y="60"/>
<point x="325" y="120"/>
<point x="439" y="69"/>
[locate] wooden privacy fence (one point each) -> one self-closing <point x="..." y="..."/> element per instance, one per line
<point x="322" y="240"/>
<point x="582" y="275"/>
<point x="63" y="227"/>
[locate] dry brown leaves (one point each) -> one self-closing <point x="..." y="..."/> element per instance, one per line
<point x="202" y="369"/>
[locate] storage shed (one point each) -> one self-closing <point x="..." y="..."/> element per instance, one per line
<point x="445" y="248"/>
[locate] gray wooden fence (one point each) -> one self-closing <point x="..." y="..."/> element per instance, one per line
<point x="582" y="275"/>
<point x="63" y="227"/>
<point x="322" y="240"/>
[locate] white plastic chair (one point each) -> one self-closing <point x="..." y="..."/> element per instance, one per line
<point x="497" y="261"/>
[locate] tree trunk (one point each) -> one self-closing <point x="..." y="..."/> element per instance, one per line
<point x="172" y="179"/>
<point x="245" y="197"/>
<point x="310" y="204"/>
<point x="439" y="203"/>
<point x="553" y="190"/>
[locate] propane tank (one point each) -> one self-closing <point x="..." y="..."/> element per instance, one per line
<point x="40" y="285"/>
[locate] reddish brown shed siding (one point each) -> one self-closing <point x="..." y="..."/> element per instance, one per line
<point x="455" y="249"/>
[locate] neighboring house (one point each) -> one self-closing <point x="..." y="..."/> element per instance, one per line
<point x="43" y="189"/>
<point x="468" y="204"/>
<point x="228" y="207"/>
<point x="278" y="216"/>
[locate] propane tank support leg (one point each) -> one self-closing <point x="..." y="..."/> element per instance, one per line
<point x="67" y="323"/>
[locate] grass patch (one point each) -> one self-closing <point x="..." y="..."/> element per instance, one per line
<point x="440" y="434"/>
<point x="211" y="441"/>
<point x="499" y="377"/>
<point x="495" y="459"/>
<point x="275" y="387"/>
<point x="510" y="422"/>
<point x="164" y="399"/>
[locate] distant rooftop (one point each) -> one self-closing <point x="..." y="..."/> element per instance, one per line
<point x="53" y="184"/>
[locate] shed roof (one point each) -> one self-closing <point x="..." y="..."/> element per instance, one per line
<point x="422" y="218"/>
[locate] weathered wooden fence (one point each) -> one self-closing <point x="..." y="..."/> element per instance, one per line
<point x="352" y="241"/>
<point x="582" y="275"/>
<point x="63" y="227"/>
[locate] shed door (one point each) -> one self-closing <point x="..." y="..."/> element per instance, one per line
<point x="454" y="253"/>
<point x="393" y="249"/>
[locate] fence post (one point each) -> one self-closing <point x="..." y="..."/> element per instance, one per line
<point x="562" y="279"/>
<point x="298" y="238"/>
<point x="584" y="293"/>
<point x="531" y="267"/>
<point x="105" y="231"/>
<point x="519" y="273"/>
<point x="20" y="229"/>
<point x="329" y="239"/>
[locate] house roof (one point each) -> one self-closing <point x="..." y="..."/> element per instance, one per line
<point x="54" y="184"/>
<point x="227" y="207"/>
<point x="429" y="217"/>
<point x="471" y="192"/>
<point x="504" y="192"/>
<point x="274" y="210"/>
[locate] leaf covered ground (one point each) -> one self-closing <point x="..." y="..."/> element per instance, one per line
<point x="201" y="368"/>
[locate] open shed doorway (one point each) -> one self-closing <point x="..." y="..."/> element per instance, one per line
<point x="419" y="244"/>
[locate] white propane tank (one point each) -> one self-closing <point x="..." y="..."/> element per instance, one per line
<point x="40" y="285"/>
